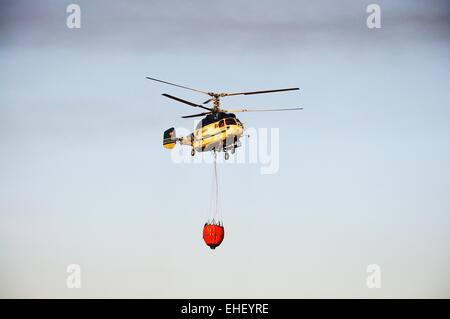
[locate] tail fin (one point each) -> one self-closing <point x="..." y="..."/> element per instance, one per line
<point x="169" y="138"/>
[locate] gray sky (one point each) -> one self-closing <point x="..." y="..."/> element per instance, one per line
<point x="364" y="169"/>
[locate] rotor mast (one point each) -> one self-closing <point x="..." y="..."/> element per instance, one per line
<point x="216" y="103"/>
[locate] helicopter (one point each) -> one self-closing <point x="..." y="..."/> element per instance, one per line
<point x="220" y="129"/>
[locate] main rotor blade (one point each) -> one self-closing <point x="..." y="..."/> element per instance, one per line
<point x="180" y="86"/>
<point x="196" y="115"/>
<point x="186" y="102"/>
<point x="260" y="92"/>
<point x="266" y="110"/>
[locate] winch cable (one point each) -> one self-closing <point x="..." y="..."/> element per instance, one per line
<point x="217" y="199"/>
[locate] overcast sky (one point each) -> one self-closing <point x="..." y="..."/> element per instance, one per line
<point x="364" y="172"/>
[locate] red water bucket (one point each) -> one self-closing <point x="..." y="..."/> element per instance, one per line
<point x="213" y="235"/>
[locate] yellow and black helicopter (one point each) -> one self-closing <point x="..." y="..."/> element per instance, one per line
<point x="219" y="130"/>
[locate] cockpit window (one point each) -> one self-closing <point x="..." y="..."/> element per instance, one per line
<point x="230" y="122"/>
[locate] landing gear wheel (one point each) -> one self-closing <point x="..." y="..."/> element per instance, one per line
<point x="235" y="144"/>
<point x="192" y="152"/>
<point x="227" y="156"/>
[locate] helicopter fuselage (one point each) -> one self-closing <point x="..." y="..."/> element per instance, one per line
<point x="220" y="132"/>
<point x="215" y="132"/>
